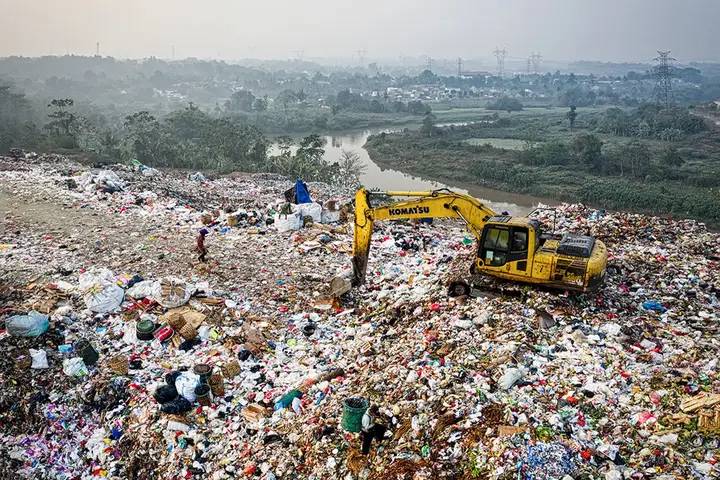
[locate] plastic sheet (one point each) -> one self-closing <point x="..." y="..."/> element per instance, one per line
<point x="287" y="223"/>
<point x="75" y="367"/>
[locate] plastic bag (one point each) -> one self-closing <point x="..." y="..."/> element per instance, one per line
<point x="142" y="289"/>
<point x="106" y="179"/>
<point x="105" y="300"/>
<point x="287" y="223"/>
<point x="185" y="385"/>
<point x="150" y="172"/>
<point x="510" y="378"/>
<point x="39" y="359"/>
<point x="75" y="367"/>
<point x="313" y="210"/>
<point x="330" y="216"/>
<point x="130" y="333"/>
<point x="101" y="293"/>
<point x="655" y="306"/>
<point x="31" y="325"/>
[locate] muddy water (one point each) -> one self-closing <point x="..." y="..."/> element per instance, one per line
<point x="388" y="179"/>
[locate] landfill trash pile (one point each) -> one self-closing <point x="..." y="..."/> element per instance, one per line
<point x="126" y="357"/>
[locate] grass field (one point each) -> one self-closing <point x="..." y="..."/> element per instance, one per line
<point x="502" y="143"/>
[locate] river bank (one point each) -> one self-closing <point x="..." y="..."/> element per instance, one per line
<point x="386" y="177"/>
<point x="448" y="157"/>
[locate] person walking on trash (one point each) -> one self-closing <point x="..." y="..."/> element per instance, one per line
<point x="371" y="428"/>
<point x="200" y="247"/>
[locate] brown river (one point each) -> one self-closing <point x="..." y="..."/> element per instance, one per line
<point x="388" y="179"/>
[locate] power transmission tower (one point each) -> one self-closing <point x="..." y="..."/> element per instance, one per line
<point x="429" y="63"/>
<point x="663" y="73"/>
<point x="459" y="67"/>
<point x="361" y="57"/>
<point x="535" y="59"/>
<point x="97" y="49"/>
<point x="500" y="55"/>
<point x="529" y="61"/>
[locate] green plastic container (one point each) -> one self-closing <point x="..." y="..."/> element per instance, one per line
<point x="145" y="329"/>
<point x="353" y="410"/>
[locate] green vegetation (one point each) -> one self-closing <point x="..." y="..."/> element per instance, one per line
<point x="190" y="138"/>
<point x="620" y="159"/>
<point x="16" y="120"/>
<point x="291" y="111"/>
<point x="187" y="138"/>
<point x="581" y="137"/>
<point x="506" y="104"/>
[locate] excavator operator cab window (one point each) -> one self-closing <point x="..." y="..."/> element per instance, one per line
<point x="519" y="240"/>
<point x="504" y="244"/>
<point x="495" y="246"/>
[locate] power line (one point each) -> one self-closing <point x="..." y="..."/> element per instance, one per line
<point x="500" y="56"/>
<point x="664" y="72"/>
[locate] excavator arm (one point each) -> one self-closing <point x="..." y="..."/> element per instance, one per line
<point x="430" y="204"/>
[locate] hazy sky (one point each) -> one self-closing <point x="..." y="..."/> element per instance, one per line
<point x="608" y="30"/>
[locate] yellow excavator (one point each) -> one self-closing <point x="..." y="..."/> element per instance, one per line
<point x="510" y="248"/>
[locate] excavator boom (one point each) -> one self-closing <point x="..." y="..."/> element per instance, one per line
<point x="428" y="204"/>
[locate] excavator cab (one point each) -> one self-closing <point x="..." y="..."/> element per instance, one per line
<point x="511" y="248"/>
<point x="506" y="244"/>
<point x="515" y="248"/>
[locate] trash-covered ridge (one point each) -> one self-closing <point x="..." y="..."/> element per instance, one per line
<point x="127" y="357"/>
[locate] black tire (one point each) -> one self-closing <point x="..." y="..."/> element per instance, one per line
<point x="458" y="288"/>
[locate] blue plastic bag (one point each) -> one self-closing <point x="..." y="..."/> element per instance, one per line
<point x="655" y="306"/>
<point x="33" y="324"/>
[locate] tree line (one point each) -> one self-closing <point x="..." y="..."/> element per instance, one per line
<point x="187" y="138"/>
